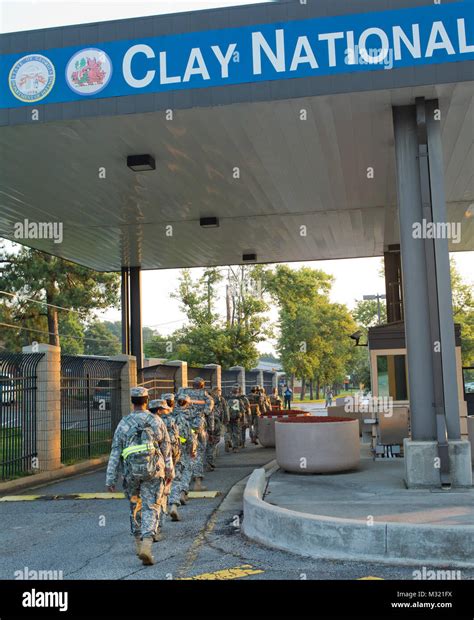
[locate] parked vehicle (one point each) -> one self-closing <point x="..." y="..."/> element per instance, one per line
<point x="7" y="389"/>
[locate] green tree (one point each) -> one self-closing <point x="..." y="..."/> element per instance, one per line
<point x="99" y="340"/>
<point x="60" y="286"/>
<point x="463" y="313"/>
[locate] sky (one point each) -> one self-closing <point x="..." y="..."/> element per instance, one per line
<point x="353" y="278"/>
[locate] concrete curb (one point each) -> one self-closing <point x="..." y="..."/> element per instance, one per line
<point x="43" y="478"/>
<point x="318" y="536"/>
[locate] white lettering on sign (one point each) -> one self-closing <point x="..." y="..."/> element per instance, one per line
<point x="127" y="66"/>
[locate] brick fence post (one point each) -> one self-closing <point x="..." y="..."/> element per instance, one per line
<point x="48" y="406"/>
<point x="128" y="379"/>
<point x="240" y="376"/>
<point x="218" y="371"/>
<point x="181" y="377"/>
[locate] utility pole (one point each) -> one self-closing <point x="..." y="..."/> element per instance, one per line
<point x="378" y="298"/>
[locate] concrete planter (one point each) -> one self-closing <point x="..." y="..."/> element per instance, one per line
<point x="266" y="426"/>
<point x="317" y="445"/>
<point x="470" y="431"/>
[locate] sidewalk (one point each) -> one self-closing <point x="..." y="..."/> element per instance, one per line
<point x="366" y="514"/>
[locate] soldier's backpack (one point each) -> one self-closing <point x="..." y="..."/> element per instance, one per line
<point x="235" y="412"/>
<point x="140" y="455"/>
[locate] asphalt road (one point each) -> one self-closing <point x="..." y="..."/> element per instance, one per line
<point x="89" y="539"/>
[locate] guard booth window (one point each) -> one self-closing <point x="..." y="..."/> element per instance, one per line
<point x="392" y="376"/>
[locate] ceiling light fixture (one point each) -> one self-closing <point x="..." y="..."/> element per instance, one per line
<point x="141" y="163"/>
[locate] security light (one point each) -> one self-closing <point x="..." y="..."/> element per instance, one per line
<point x="209" y="222"/>
<point x="141" y="163"/>
<point x="357" y="336"/>
<point x="249" y="257"/>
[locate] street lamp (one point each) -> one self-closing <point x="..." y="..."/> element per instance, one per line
<point x="372" y="298"/>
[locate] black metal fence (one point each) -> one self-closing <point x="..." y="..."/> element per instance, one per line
<point x="208" y="374"/>
<point x="268" y="381"/>
<point x="252" y="378"/>
<point x="18" y="433"/>
<point x="158" y="379"/>
<point x="229" y="378"/>
<point x="90" y="406"/>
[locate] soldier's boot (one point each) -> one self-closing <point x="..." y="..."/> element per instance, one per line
<point x="228" y="446"/>
<point x="138" y="544"/>
<point x="174" y="514"/>
<point x="209" y="468"/>
<point x="198" y="485"/>
<point x="183" y="498"/>
<point x="158" y="535"/>
<point x="146" y="555"/>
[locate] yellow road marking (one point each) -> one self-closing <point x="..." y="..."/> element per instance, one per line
<point x="228" y="573"/>
<point x="19" y="498"/>
<point x="202" y="494"/>
<point x="370" y="577"/>
<point x="74" y="496"/>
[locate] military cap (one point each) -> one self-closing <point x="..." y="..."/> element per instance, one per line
<point x="158" y="404"/>
<point x="168" y="396"/>
<point x="197" y="380"/>
<point x="137" y="392"/>
<point x="184" y="397"/>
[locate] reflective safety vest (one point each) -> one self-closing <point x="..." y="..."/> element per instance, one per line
<point x="144" y="447"/>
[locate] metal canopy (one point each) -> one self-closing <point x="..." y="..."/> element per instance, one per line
<point x="294" y="173"/>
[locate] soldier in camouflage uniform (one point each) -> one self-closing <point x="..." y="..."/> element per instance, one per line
<point x="202" y="405"/>
<point x="170" y="399"/>
<point x="258" y="407"/>
<point x="246" y="420"/>
<point x="184" y="417"/>
<point x="221" y="419"/>
<point x="141" y="447"/>
<point x="236" y="407"/>
<point x="275" y="400"/>
<point x="160" y="407"/>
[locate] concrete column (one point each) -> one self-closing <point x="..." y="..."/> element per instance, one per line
<point x="48" y="406"/>
<point x="125" y="305"/>
<point x="128" y="379"/>
<point x="415" y="285"/>
<point x="429" y="325"/>
<point x="443" y="274"/>
<point x="240" y="376"/>
<point x="218" y="374"/>
<point x="275" y="380"/>
<point x="136" y="335"/>
<point x="181" y="377"/>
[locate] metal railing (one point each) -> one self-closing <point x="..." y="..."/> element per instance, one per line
<point x="158" y="379"/>
<point x="18" y="432"/>
<point x="90" y="406"/>
<point x="229" y="378"/>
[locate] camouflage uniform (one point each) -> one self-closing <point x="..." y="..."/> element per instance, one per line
<point x="275" y="400"/>
<point x="258" y="407"/>
<point x="145" y="497"/>
<point x="221" y="419"/>
<point x="188" y="441"/>
<point x="202" y="422"/>
<point x="161" y="409"/>
<point x="247" y="418"/>
<point x="233" y="434"/>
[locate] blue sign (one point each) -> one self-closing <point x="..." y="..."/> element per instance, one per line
<point x="325" y="46"/>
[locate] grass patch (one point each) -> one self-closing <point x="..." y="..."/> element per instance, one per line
<point x="74" y="445"/>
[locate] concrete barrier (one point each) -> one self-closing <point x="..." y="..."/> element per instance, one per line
<point x="317" y="445"/>
<point x="319" y="536"/>
<point x="266" y="426"/>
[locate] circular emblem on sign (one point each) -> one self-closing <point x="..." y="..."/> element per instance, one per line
<point x="32" y="78"/>
<point x="88" y="71"/>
